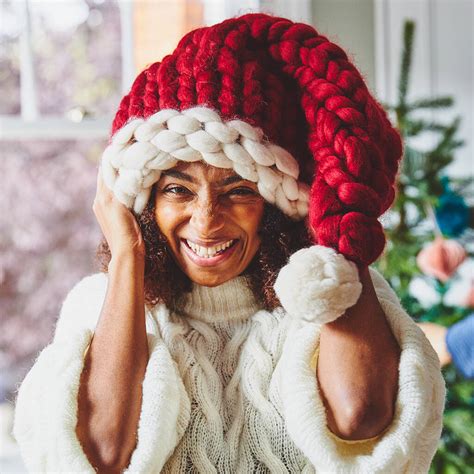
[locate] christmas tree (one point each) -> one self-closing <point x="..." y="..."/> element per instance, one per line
<point x="429" y="234"/>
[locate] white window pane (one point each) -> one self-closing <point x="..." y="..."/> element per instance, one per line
<point x="9" y="59"/>
<point x="77" y="50"/>
<point x="48" y="237"/>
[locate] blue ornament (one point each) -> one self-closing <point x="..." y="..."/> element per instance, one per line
<point x="451" y="211"/>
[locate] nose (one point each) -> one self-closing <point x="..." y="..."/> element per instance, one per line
<point x="207" y="218"/>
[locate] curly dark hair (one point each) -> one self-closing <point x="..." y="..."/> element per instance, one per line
<point x="165" y="281"/>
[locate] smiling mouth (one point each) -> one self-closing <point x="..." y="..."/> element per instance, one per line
<point x="209" y="252"/>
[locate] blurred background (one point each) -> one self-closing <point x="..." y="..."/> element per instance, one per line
<point x="65" y="64"/>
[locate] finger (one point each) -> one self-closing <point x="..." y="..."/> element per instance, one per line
<point x="102" y="188"/>
<point x="99" y="177"/>
<point x="98" y="183"/>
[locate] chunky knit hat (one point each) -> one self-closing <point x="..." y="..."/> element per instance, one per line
<point x="281" y="105"/>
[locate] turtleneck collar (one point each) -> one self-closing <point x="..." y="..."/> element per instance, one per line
<point x="230" y="301"/>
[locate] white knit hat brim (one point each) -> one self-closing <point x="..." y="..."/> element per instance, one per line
<point x="143" y="148"/>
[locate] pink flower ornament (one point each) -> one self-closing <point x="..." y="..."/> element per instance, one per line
<point x="441" y="258"/>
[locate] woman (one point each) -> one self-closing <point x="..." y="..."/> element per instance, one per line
<point x="218" y="338"/>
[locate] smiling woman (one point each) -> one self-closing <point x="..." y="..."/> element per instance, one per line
<point x="195" y="207"/>
<point x="206" y="214"/>
<point x="236" y="325"/>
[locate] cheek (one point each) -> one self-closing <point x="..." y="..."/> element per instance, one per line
<point x="251" y="218"/>
<point x="166" y="216"/>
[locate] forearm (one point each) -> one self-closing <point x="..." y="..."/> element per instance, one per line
<point x="358" y="368"/>
<point x="110" y="391"/>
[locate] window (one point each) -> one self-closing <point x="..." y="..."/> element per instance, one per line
<point x="65" y="67"/>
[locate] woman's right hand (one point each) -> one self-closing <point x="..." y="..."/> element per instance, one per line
<point x="118" y="224"/>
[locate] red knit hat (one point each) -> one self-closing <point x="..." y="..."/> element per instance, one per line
<point x="281" y="105"/>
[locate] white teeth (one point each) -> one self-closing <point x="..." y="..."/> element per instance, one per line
<point x="208" y="251"/>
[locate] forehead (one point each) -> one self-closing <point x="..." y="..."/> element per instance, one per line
<point x="202" y="172"/>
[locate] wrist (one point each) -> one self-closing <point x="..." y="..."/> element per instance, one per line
<point x="127" y="258"/>
<point x="365" y="312"/>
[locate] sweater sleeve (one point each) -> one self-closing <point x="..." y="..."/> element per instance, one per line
<point x="46" y="403"/>
<point x="409" y="443"/>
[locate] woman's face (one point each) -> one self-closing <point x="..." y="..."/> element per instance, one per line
<point x="199" y="208"/>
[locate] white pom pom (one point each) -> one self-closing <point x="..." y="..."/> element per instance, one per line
<point x="318" y="284"/>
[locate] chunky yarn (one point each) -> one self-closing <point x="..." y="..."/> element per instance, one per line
<point x="142" y="149"/>
<point x="302" y="91"/>
<point x="318" y="285"/>
<point x="230" y="388"/>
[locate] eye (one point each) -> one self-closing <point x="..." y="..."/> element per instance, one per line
<point x="177" y="190"/>
<point x="242" y="192"/>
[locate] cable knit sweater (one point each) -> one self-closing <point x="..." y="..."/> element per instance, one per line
<point x="229" y="388"/>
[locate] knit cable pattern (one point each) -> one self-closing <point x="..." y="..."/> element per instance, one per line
<point x="228" y="388"/>
<point x="305" y="94"/>
<point x="236" y="419"/>
<point x="143" y="148"/>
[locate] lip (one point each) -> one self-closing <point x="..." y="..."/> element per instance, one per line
<point x="211" y="261"/>
<point x="210" y="243"/>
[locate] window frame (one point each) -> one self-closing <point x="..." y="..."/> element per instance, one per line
<point x="30" y="124"/>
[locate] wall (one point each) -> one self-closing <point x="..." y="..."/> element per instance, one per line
<point x="371" y="33"/>
<point x="350" y="24"/>
<point x="442" y="63"/>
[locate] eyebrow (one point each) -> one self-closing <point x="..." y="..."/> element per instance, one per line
<point x="234" y="178"/>
<point x="179" y="175"/>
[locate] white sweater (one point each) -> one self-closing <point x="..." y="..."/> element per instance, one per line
<point x="229" y="387"/>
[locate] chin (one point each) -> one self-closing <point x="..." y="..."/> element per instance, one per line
<point x="210" y="280"/>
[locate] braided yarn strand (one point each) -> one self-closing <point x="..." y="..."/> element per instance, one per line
<point x="356" y="149"/>
<point x="143" y="148"/>
<point x="302" y="91"/>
